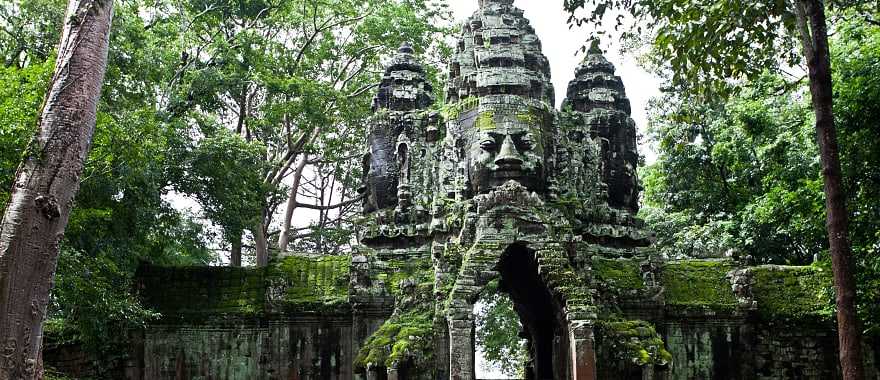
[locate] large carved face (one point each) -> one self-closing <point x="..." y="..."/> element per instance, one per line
<point x="503" y="147"/>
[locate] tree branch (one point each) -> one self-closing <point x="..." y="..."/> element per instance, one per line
<point x="330" y="207"/>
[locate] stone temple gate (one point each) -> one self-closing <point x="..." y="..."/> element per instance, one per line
<point x="497" y="184"/>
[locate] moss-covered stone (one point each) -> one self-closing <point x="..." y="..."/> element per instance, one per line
<point x="177" y="291"/>
<point x="698" y="283"/>
<point x="307" y="283"/>
<point x="623" y="274"/>
<point x="406" y="336"/>
<point x="419" y="271"/>
<point x="313" y="280"/>
<point x="486" y="121"/>
<point x="793" y="292"/>
<point x="454" y="110"/>
<point x="635" y="342"/>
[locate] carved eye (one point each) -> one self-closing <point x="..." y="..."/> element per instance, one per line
<point x="487" y="144"/>
<point x="526" y="142"/>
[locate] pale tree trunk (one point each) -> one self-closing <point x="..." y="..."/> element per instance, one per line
<point x="235" y="252"/>
<point x="45" y="185"/>
<point x="284" y="236"/>
<point x="814" y="39"/>
<point x="261" y="245"/>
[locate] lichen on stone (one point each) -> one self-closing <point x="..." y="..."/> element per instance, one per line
<point x="622" y="274"/>
<point x="793" y="292"/>
<point x="698" y="283"/>
<point x="312" y="280"/>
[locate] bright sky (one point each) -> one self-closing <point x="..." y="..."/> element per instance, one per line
<point x="560" y="45"/>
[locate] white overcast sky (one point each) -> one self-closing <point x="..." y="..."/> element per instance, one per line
<point x="560" y="45"/>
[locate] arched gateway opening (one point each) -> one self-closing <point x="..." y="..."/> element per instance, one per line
<point x="540" y="315"/>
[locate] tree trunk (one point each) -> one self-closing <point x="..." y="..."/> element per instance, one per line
<point x="235" y="254"/>
<point x="45" y="185"/>
<point x="284" y="236"/>
<point x="262" y="245"/>
<point x="814" y="38"/>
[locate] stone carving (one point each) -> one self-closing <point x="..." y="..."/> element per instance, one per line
<point x="403" y="92"/>
<point x="598" y="98"/>
<point x="501" y="147"/>
<point x="493" y="185"/>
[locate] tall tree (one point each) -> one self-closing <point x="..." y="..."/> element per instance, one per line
<point x="294" y="78"/>
<point x="813" y="31"/>
<point x="710" y="43"/>
<point x="46" y="183"/>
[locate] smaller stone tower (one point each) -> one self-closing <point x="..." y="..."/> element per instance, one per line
<point x="598" y="97"/>
<point x="403" y="93"/>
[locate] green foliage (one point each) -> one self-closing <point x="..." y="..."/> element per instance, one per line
<point x="497" y="333"/>
<point x="225" y="175"/>
<point x="90" y="304"/>
<point x="297" y="80"/>
<point x="30" y="31"/>
<point x="742" y="176"/>
<point x="20" y="99"/>
<point x="706" y="195"/>
<point x="705" y="46"/>
<point x="119" y="218"/>
<point x="856" y="53"/>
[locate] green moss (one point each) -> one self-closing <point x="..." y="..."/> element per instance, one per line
<point x="419" y="270"/>
<point x="635" y="342"/>
<point x="309" y="283"/>
<point x="698" y="283"/>
<point x="622" y="274"/>
<point x="454" y="110"/>
<point x="405" y="336"/>
<point x="315" y="280"/>
<point x="486" y="121"/>
<point x="178" y="291"/>
<point x="793" y="292"/>
<point x="527" y="117"/>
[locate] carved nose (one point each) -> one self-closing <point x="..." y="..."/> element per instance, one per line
<point x="508" y="155"/>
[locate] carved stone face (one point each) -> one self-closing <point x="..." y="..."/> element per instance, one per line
<point x="502" y="148"/>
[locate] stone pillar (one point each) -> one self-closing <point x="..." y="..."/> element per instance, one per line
<point x="441" y="348"/>
<point x="583" y="356"/>
<point x="393" y="374"/>
<point x="461" y="349"/>
<point x="373" y="373"/>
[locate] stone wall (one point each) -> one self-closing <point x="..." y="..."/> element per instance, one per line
<point x="291" y="321"/>
<point x="716" y="321"/>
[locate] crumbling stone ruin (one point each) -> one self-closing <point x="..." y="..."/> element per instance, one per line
<point x="494" y="185"/>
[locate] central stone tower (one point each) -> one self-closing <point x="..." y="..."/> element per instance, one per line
<point x="496" y="185"/>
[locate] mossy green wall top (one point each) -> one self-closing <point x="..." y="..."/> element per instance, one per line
<point x="793" y="292"/>
<point x="777" y="292"/>
<point x="301" y="282"/>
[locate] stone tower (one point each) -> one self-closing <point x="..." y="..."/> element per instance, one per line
<point x="504" y="188"/>
<point x="599" y="99"/>
<point x="403" y="93"/>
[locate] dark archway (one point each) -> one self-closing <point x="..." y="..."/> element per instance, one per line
<point x="538" y="311"/>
